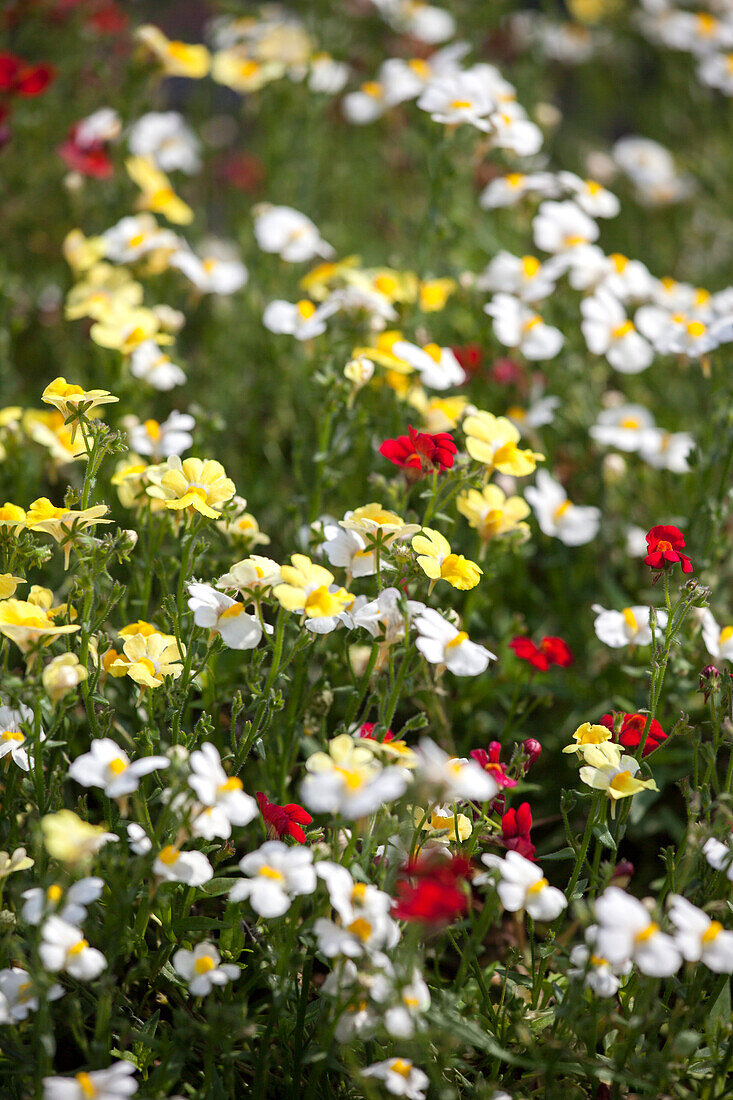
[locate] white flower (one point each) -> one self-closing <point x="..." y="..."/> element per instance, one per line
<point x="217" y="271"/>
<point x="349" y="780"/>
<point x="18" y="995"/>
<point x="508" y="190"/>
<point x="202" y="968"/>
<point x="101" y="126"/>
<point x="441" y="643"/>
<point x="595" y="971"/>
<point x="114" y="1083"/>
<point x="418" y="19"/>
<point x="160" y="440"/>
<point x="303" y="319"/>
<point x="167" y="139"/>
<point x="63" y="948"/>
<point x="150" y="363"/>
<point x="623" y="426"/>
<point x="626" y="932"/>
<point x="557" y="516"/>
<point x="558" y="226"/>
<point x="13" y="742"/>
<point x="384" y="617"/>
<point x="517" y="326"/>
<point x="277" y="874"/>
<point x="136" y="235"/>
<point x="453" y="779"/>
<point x="651" y="169"/>
<point x="719" y="856"/>
<point x="522" y="886"/>
<point x="290" y="234"/>
<point x="591" y="197"/>
<point x="540" y="411"/>
<point x="173" y="865"/>
<point x="222" y="796"/>
<point x="438" y="367"/>
<point x="630" y="626"/>
<point x="667" y="450"/>
<point x="41" y="903"/>
<point x="608" y="332"/>
<point x="718" y="641"/>
<point x="108" y="766"/>
<point x="139" y="841"/>
<point x="522" y="276"/>
<point x="327" y="76"/>
<point x="459" y="97"/>
<point x="699" y="938"/>
<point x="348" y="550"/>
<point x="227" y="617"/>
<point x="716" y="71"/>
<point x="413" y="1000"/>
<point x="400" y="1077"/>
<point x="514" y="131"/>
<point x="365" y="105"/>
<point x="365" y="925"/>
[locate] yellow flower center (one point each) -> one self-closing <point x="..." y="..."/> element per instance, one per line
<point x="360" y="928"/>
<point x="12" y="735"/>
<point x="204" y="964"/>
<point x="530" y="266"/>
<point x="619" y="331"/>
<point x="135" y="240"/>
<point x="460" y="104"/>
<point x="152" y="427"/>
<point x="536" y="887"/>
<point x="84" y="1082"/>
<point x="271" y="873"/>
<point x="598" y="960"/>
<point x="78" y="948"/>
<point x="232" y="612"/>
<point x="147" y="665"/>
<point x="419" y="66"/>
<point x="386" y="284"/>
<point x="169" y="855"/>
<point x="232" y="784"/>
<point x="594" y="188"/>
<point x="630" y="422"/>
<point x="372" y="88"/>
<point x="706" y="24"/>
<point x="459" y="639"/>
<point x="571" y="240"/>
<point x="619" y="261"/>
<point x="532" y="322"/>
<point x="514" y="179"/>
<point x="562" y="509"/>
<point x="306" y="309"/>
<point x="359" y="892"/>
<point x="696" y="329"/>
<point x="630" y="619"/>
<point x="402" y="1066"/>
<point x="54" y="893"/>
<point x="247" y="68"/>
<point x="646" y="933"/>
<point x="726" y="634"/>
<point x="620" y="781"/>
<point x="118" y="765"/>
<point x="712" y="932"/>
<point x="434" y="351"/>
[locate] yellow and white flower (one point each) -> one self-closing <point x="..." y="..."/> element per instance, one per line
<point x="522" y="886"/>
<point x="450" y="778"/>
<point x="275" y="875"/>
<point x="221" y="614"/>
<point x="630" y="626"/>
<point x="438" y="367"/>
<point x="167" y="139"/>
<point x="492" y="513"/>
<point x="192" y="485"/>
<point x="64" y="949"/>
<point x="148" y="659"/>
<point x="557" y="516"/>
<point x="222" y="797"/>
<point x="67" y="838"/>
<point x="290" y="234"/>
<point x="617" y="777"/>
<point x="27" y="624"/>
<point x="349" y="780"/>
<point x="627" y="933"/>
<point x="525" y="277"/>
<point x="303" y="320"/>
<point x="173" y="865"/>
<point x="310" y="589"/>
<point x="108" y="767"/>
<point x="718" y="640"/>
<point x="441" y="643"/>
<point x="699" y="937"/>
<point x="437" y="560"/>
<point x="559" y="226"/>
<point x="202" y="969"/>
<point x="399" y="1075"/>
<point x="14" y="743"/>
<point x="517" y="326"/>
<point x="61" y="675"/>
<point x="608" y="332"/>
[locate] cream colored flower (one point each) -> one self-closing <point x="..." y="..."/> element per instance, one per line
<point x="62" y="675"/>
<point x="63" y="524"/>
<point x="27" y="624"/>
<point x="17" y="861"/>
<point x="68" y="838"/>
<point x="194" y="484"/>
<point x="149" y="659"/>
<point x="492" y="513"/>
<point x="8" y="585"/>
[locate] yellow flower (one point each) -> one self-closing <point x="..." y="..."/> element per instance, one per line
<point x="196" y="485"/>
<point x="492" y="513"/>
<point x="493" y="441"/>
<point x="237" y="70"/>
<point x="305" y="588"/>
<point x="82" y="252"/>
<point x="125" y="329"/>
<point x="62" y="675"/>
<point x="241" y="524"/>
<point x="140" y="627"/>
<point x="70" y="839"/>
<point x="588" y="734"/>
<point x="69" y="399"/>
<point x="383" y="354"/>
<point x="12" y="517"/>
<point x="178" y="58"/>
<point x="617" y="778"/>
<point x="157" y="193"/>
<point x="63" y="524"/>
<point x="105" y="290"/>
<point x="440" y="414"/>
<point x="60" y="439"/>
<point x="318" y="281"/>
<point x="373" y="519"/>
<point x="8" y="585"/>
<point x="397" y="286"/>
<point x="18" y="861"/>
<point x="27" y="624"/>
<point x="435" y="293"/>
<point x="441" y="818"/>
<point x="147" y="659"/>
<point x="438" y="561"/>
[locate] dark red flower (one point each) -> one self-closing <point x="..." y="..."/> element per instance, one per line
<point x="367" y="730"/>
<point x="507" y="372"/>
<point x="284" y="820"/>
<point x="515" y="827"/>
<point x="9" y="68"/>
<point x="628" y="729"/>
<point x="243" y="171"/>
<point x="107" y="18"/>
<point x="550" y="651"/>
<point x="19" y="78"/>
<point x="436" y="898"/>
<point x="91" y="160"/>
<point x="663" y="546"/>
<point x="490" y="762"/>
<point x="420" y="451"/>
<point x="470" y="356"/>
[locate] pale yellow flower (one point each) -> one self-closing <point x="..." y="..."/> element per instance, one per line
<point x="8" y="585"/>
<point x="305" y="588"/>
<point x="18" y="861"/>
<point x="105" y="289"/>
<point x="492" y="513"/>
<point x="193" y="485"/>
<point x="149" y="659"/>
<point x="27" y="624"/>
<point x="237" y="70"/>
<point x="157" y="194"/>
<point x="493" y="441"/>
<point x="70" y="839"/>
<point x="441" y="819"/>
<point x="62" y="675"/>
<point x="177" y="58"/>
<point x="63" y="524"/>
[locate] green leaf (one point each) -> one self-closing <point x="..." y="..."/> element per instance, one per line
<point x="603" y="836"/>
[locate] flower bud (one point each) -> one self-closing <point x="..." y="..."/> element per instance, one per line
<point x="709" y="681"/>
<point x="62" y="675"/>
<point x="623" y="872"/>
<point x="533" y="748"/>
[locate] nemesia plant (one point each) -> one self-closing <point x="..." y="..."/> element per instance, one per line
<point x="436" y="799"/>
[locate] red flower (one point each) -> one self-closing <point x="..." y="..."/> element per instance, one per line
<point x="507" y="372"/>
<point x="420" y="451"/>
<point x="367" y="730"/>
<point x="470" y="356"/>
<point x="284" y="820"/>
<point x="515" y="827"/>
<point x="533" y="748"/>
<point x="664" y="545"/>
<point x="243" y="171"/>
<point x="91" y="159"/>
<point x="631" y="729"/>
<point x="489" y="761"/>
<point x="108" y="18"/>
<point x="436" y="898"/>
<point x="18" y="78"/>
<point x="551" y="651"/>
